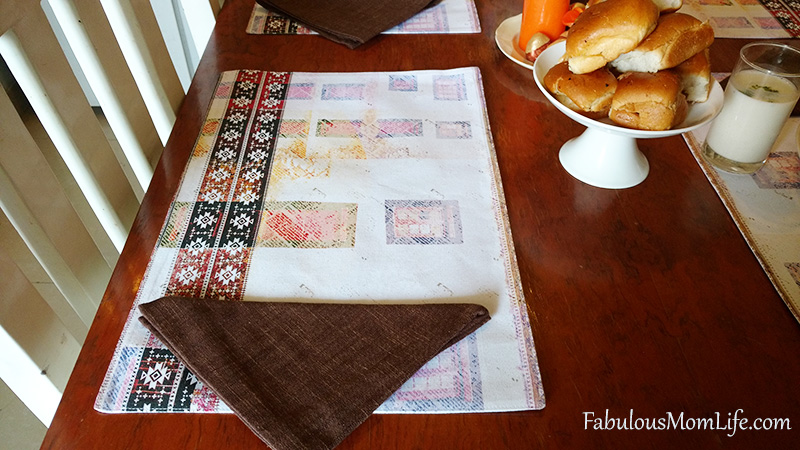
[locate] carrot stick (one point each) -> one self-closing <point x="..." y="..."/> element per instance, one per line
<point x="542" y="16"/>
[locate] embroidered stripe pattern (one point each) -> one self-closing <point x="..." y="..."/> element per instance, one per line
<point x="215" y="249"/>
<point x="787" y="13"/>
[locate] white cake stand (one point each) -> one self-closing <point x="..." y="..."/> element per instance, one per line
<point x="606" y="155"/>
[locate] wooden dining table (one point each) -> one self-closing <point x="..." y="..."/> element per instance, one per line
<point x="643" y="302"/>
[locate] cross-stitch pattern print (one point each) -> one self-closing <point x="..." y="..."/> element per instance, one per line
<point x="731" y="22"/>
<point x="180" y="213"/>
<point x="343" y="91"/>
<point x="431" y="20"/>
<point x="767" y="23"/>
<point x="263" y="21"/>
<point x="294" y="128"/>
<point x="389" y="128"/>
<point x="189" y="272"/>
<point x="794" y="271"/>
<point x="423" y="222"/>
<point x="207" y="135"/>
<point x="161" y="383"/>
<point x="302" y="224"/>
<point x="786" y="13"/>
<point x="406" y="83"/>
<point x="450" y="381"/>
<point x="120" y="374"/>
<point x="274" y="23"/>
<point x="203" y="399"/>
<point x="449" y="88"/>
<point x="300" y="91"/>
<point x="226" y="280"/>
<point x="453" y="130"/>
<point x="338" y="128"/>
<point x="781" y="171"/>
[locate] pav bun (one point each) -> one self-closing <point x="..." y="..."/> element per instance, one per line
<point x="606" y="30"/>
<point x="664" y="6"/>
<point x="677" y="37"/>
<point x="589" y="94"/>
<point x="695" y="75"/>
<point x="649" y="101"/>
<point x="668" y="6"/>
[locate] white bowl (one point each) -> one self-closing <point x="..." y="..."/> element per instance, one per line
<point x="606" y="154"/>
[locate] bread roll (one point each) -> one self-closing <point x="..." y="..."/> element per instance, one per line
<point x="668" y="6"/>
<point x="649" y="101"/>
<point x="589" y="94"/>
<point x="664" y="6"/>
<point x="677" y="38"/>
<point x="607" y="30"/>
<point x="695" y="75"/>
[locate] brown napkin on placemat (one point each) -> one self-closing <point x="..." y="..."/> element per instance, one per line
<point x="349" y="22"/>
<point x="305" y="375"/>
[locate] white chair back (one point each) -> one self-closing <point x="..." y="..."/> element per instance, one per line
<point x="72" y="174"/>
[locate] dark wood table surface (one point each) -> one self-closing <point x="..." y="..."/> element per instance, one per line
<point x="645" y="299"/>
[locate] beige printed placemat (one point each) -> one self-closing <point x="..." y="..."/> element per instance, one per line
<point x="342" y="187"/>
<point x="748" y="19"/>
<point x="766" y="208"/>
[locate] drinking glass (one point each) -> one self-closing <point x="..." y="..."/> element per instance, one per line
<point x="761" y="93"/>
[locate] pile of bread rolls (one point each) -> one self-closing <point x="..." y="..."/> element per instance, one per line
<point x="638" y="62"/>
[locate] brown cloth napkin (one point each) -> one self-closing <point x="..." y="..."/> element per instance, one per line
<point x="349" y="22"/>
<point x="305" y="375"/>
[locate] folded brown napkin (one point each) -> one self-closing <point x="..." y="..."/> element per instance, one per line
<point x="303" y="375"/>
<point x="349" y="22"/>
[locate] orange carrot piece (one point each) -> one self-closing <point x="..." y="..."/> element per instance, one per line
<point x="542" y="16"/>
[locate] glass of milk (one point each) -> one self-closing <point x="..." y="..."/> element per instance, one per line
<point x="761" y="93"/>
